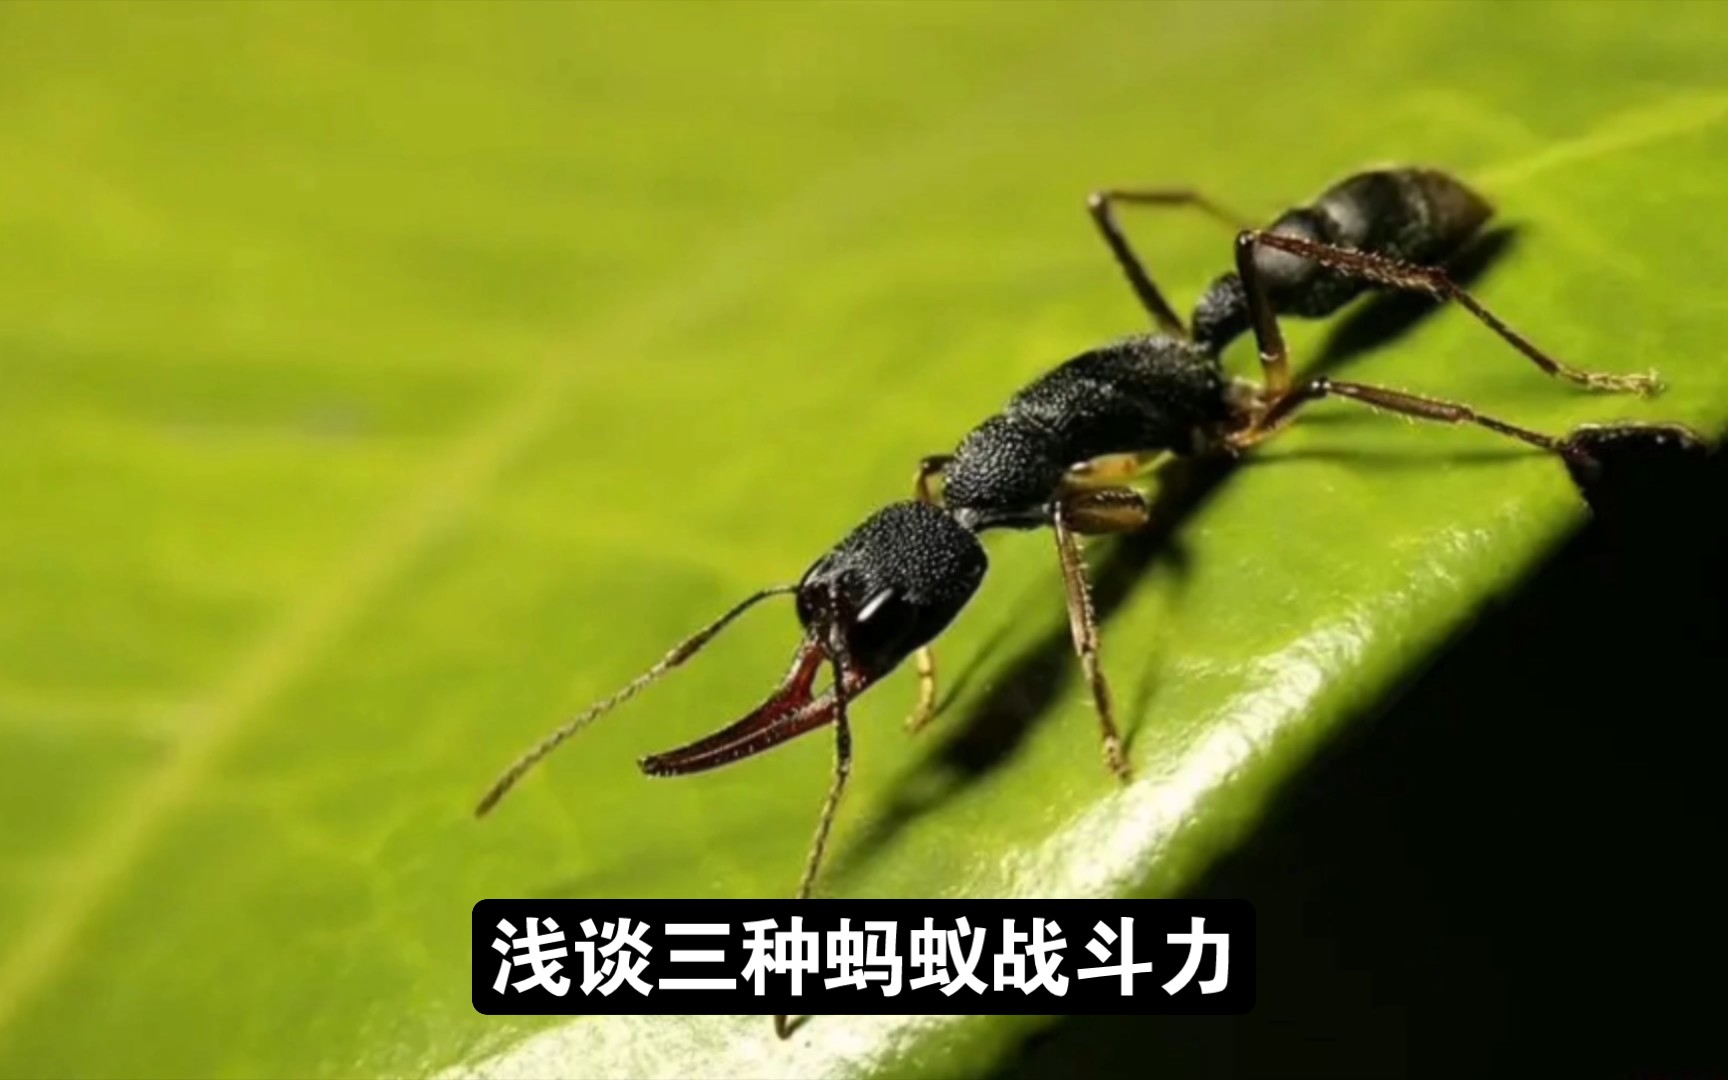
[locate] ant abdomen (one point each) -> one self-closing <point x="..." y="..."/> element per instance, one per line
<point x="1412" y="215"/>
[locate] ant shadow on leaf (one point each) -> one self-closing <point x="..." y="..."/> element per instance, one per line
<point x="1025" y="687"/>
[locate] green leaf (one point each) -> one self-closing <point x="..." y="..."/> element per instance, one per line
<point x="379" y="388"/>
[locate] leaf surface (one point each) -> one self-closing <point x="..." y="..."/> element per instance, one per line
<point x="379" y="390"/>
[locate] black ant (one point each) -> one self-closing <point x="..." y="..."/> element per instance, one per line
<point x="1061" y="450"/>
<point x="1058" y="454"/>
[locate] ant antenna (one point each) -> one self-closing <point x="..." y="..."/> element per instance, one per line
<point x="683" y="651"/>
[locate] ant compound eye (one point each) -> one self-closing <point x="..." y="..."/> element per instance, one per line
<point x="812" y="603"/>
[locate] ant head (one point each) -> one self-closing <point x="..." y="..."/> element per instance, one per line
<point x="1638" y="471"/>
<point x="890" y="586"/>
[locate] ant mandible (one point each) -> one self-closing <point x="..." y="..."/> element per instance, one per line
<point x="1060" y="452"/>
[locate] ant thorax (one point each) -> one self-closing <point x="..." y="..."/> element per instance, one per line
<point x="1140" y="395"/>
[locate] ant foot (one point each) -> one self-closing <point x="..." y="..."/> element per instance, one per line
<point x="1648" y="384"/>
<point x="1115" y="760"/>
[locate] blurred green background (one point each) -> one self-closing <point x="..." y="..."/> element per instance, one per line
<point x="379" y="383"/>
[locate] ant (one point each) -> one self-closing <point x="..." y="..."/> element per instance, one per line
<point x="1061" y="450"/>
<point x="1060" y="453"/>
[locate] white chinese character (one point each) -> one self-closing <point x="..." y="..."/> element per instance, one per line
<point x="1127" y="969"/>
<point x="863" y="956"/>
<point x="543" y="963"/>
<point x="1197" y="939"/>
<point x="676" y="932"/>
<point x="791" y="952"/>
<point x="613" y="960"/>
<point x="1011" y="963"/>
<point x="933" y="950"/>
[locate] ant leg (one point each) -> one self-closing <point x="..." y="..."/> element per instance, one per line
<point x="839" y="661"/>
<point x="1274" y="354"/>
<point x="1083" y="624"/>
<point x="825" y="823"/>
<point x="1096" y="511"/>
<point x="1100" y="203"/>
<point x="1404" y="404"/>
<point x="925" y="657"/>
<point x="1109" y="470"/>
<point x="1434" y="281"/>
<point x="925" y="710"/>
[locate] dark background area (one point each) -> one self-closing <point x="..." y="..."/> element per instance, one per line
<point x="1516" y="867"/>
